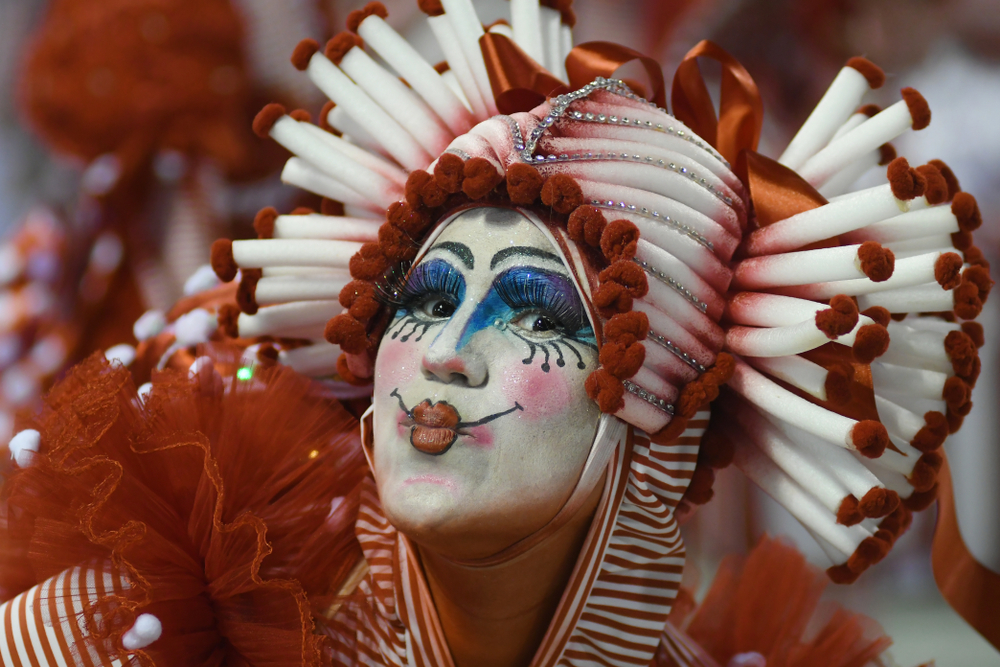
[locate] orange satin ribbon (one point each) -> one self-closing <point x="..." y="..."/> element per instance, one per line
<point x="777" y="191"/>
<point x="972" y="589"/>
<point x="741" y="111"/>
<point x="588" y="61"/>
<point x="520" y="84"/>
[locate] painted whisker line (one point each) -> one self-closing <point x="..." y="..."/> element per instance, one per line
<point x="487" y="420"/>
<point x="461" y="425"/>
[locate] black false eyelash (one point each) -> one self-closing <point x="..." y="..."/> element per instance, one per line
<point x="522" y="291"/>
<point x="391" y="287"/>
<point x="400" y="287"/>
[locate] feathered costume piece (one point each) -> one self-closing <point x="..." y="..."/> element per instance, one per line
<point x="702" y="263"/>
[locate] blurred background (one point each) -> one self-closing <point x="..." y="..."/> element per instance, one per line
<point x="125" y="149"/>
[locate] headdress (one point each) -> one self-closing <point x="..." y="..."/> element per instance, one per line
<point x="841" y="319"/>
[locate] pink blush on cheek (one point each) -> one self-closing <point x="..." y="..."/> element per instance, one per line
<point x="541" y="394"/>
<point x="397" y="363"/>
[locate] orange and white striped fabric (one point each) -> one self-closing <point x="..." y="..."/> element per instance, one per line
<point x="45" y="626"/>
<point x="619" y="596"/>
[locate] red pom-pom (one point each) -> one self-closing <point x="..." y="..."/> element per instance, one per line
<point x="301" y="115"/>
<point x="886" y="154"/>
<point x="303" y="53"/>
<point x="879" y="502"/>
<point x="879" y="314"/>
<point x="629" y="275"/>
<point x="345" y="331"/>
<point x="906" y="183"/>
<point x="925" y="472"/>
<point x="841" y="574"/>
<point x="341" y="43"/>
<point x="869" y="70"/>
<point x="622" y="360"/>
<point x="716" y="450"/>
<point x="414" y="222"/>
<point x="956" y="392"/>
<point x="369" y="263"/>
<point x="431" y="7"/>
<point x="870" y="438"/>
<point x="480" y="177"/>
<point x="848" y="513"/>
<point x="868" y="553"/>
<point x="222" y="260"/>
<point x="324" y="118"/>
<point x="344" y="371"/>
<point x="962" y="351"/>
<point x="612" y="298"/>
<point x="246" y="294"/>
<point x="839" y="319"/>
<point x="724" y="368"/>
<point x="358" y="296"/>
<point x="876" y="262"/>
<point x="562" y="193"/>
<point x="355" y="18"/>
<point x="932" y="434"/>
<point x="586" y="225"/>
<point x="449" y="172"/>
<point x="606" y="390"/>
<point x="627" y="328"/>
<point x="266" y="119"/>
<point x="695" y="396"/>
<point x="966" y="210"/>
<point x="921" y="500"/>
<point x="980" y="277"/>
<point x="619" y="240"/>
<point x="871" y="342"/>
<point x="974" y="330"/>
<point x="869" y="110"/>
<point x="947" y="270"/>
<point x="968" y="305"/>
<point x="263" y="223"/>
<point x="524" y="184"/>
<point x="936" y="189"/>
<point x="949" y="176"/>
<point x="920" y="111"/>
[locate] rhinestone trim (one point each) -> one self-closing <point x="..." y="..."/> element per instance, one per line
<point x="460" y="153"/>
<point x="649" y="397"/>
<point x="649" y="125"/>
<point x="655" y="215"/>
<point x="558" y="109"/>
<point x="676" y="351"/>
<point x="670" y="282"/>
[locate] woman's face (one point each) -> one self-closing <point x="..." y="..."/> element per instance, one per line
<point x="481" y="422"/>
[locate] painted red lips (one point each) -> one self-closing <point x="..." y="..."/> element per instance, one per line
<point x="435" y="428"/>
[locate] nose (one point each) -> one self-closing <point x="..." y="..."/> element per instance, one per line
<point x="451" y="359"/>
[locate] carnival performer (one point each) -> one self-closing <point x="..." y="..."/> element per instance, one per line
<point x="567" y="308"/>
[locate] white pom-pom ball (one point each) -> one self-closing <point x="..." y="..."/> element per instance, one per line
<point x="148" y="325"/>
<point x="146" y="630"/>
<point x="202" y="279"/>
<point x="24" y="446"/>
<point x="123" y="354"/>
<point x="195" y="327"/>
<point x="144" y="391"/>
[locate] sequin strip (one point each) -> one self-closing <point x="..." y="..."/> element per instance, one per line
<point x="676" y="351"/>
<point x="655" y="215"/>
<point x="676" y="286"/>
<point x="650" y="398"/>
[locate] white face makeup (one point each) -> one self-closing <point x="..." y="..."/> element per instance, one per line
<point x="481" y="422"/>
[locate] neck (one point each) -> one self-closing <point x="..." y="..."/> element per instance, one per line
<point x="497" y="616"/>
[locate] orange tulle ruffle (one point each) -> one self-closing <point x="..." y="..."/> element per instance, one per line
<point x="228" y="505"/>
<point x="769" y="603"/>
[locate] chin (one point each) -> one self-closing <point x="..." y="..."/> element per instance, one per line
<point x="419" y="506"/>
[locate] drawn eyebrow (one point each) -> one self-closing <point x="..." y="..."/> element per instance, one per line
<point x="460" y="250"/>
<point x="523" y="251"/>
